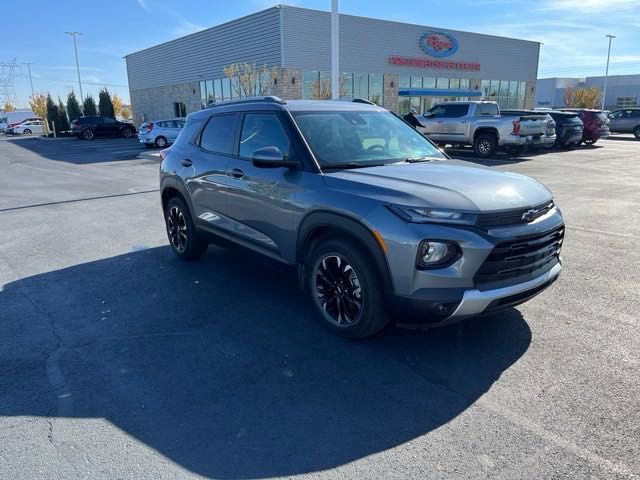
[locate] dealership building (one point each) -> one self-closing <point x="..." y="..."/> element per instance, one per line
<point x="396" y="65"/>
<point x="622" y="90"/>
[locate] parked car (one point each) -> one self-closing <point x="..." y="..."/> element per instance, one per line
<point x="595" y="124"/>
<point x="11" y="119"/>
<point x="160" y="133"/>
<point x="27" y="128"/>
<point x="550" y="139"/>
<point x="480" y="124"/>
<point x="95" y="126"/>
<point x="374" y="217"/>
<point x="626" y="120"/>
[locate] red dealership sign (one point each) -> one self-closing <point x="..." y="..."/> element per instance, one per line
<point x="432" y="63"/>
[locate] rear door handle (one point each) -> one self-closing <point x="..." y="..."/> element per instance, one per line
<point x="186" y="162"/>
<point x="235" y="173"/>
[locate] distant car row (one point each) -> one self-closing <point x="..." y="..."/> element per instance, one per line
<point x="488" y="130"/>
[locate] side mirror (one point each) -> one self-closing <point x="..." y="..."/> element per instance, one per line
<point x="427" y="114"/>
<point x="270" y="157"/>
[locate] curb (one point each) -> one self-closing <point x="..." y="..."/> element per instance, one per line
<point x="152" y="156"/>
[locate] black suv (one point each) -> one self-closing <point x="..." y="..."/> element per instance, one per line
<point x="569" y="128"/>
<point x="96" y="126"/>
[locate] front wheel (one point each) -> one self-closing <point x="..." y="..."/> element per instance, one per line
<point x="345" y="288"/>
<point x="185" y="241"/>
<point x="485" y="145"/>
<point x="590" y="141"/>
<point x="87" y="134"/>
<point x="26" y="131"/>
<point x="127" y="133"/>
<point x="636" y="132"/>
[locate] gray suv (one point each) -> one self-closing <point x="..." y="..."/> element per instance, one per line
<point x="379" y="224"/>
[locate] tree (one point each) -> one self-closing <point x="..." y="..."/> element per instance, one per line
<point x="62" y="125"/>
<point x="53" y="113"/>
<point x="89" y="106"/>
<point x="105" y="106"/>
<point x="73" y="107"/>
<point x="126" y="113"/>
<point x="322" y="89"/>
<point x="9" y="107"/>
<point x="248" y="80"/>
<point x="117" y="105"/>
<point x="589" y="97"/>
<point x="38" y="104"/>
<point x="569" y="97"/>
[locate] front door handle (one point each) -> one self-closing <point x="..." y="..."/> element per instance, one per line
<point x="235" y="173"/>
<point x="186" y="162"/>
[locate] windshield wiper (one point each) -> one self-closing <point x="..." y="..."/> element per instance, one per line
<point x="351" y="165"/>
<point x="418" y="159"/>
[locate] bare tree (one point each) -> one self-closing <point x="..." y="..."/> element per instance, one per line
<point x="248" y="80"/>
<point x="569" y="97"/>
<point x="322" y="89"/>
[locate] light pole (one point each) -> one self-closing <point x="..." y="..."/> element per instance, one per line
<point x="335" y="48"/>
<point x="28" y="64"/>
<point x="606" y="75"/>
<point x="75" y="46"/>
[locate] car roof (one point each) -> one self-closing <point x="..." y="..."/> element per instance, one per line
<point x="165" y="119"/>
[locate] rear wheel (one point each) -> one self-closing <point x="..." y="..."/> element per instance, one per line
<point x="485" y="145"/>
<point x="87" y="134"/>
<point x="185" y="241"/>
<point x="590" y="141"/>
<point x="127" y="133"/>
<point x="636" y="132"/>
<point x="345" y="288"/>
<point x="161" y="142"/>
<point x="26" y="131"/>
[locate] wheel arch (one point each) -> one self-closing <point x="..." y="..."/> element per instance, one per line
<point x="319" y="225"/>
<point x="483" y="130"/>
<point x="171" y="188"/>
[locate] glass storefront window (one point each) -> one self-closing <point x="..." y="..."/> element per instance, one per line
<point x="415" y="103"/>
<point x="203" y="95"/>
<point x="309" y="81"/>
<point x="428" y="82"/>
<point x="494" y="89"/>
<point x="485" y="87"/>
<point x="404" y="81"/>
<point x="416" y="82"/>
<point x="346" y="85"/>
<point x="376" y="88"/>
<point x="442" y="82"/>
<point x="403" y="105"/>
<point x="210" y="92"/>
<point x="522" y="93"/>
<point x="235" y="88"/>
<point x="464" y="83"/>
<point x="217" y="89"/>
<point x="454" y="83"/>
<point x="226" y="88"/>
<point x="360" y="85"/>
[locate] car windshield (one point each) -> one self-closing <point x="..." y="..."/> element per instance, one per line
<point x="364" y="138"/>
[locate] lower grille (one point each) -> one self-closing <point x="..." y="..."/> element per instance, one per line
<point x="521" y="257"/>
<point x="517" y="299"/>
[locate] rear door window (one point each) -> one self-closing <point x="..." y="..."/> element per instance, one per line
<point x="486" y="109"/>
<point x="218" y="135"/>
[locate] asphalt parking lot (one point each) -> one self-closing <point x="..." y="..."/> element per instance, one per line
<point x="119" y="361"/>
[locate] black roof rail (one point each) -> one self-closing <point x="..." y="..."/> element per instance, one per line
<point x="264" y="98"/>
<point x="363" y="100"/>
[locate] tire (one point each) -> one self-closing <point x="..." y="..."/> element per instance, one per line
<point x="183" y="237"/>
<point x="636" y="132"/>
<point x="27" y="131"/>
<point x="485" y="145"/>
<point x="88" y="134"/>
<point x="161" y="142"/>
<point x="345" y="288"/>
<point x="590" y="141"/>
<point x="127" y="133"/>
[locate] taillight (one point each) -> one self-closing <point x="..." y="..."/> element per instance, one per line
<point x="164" y="153"/>
<point x="516" y="127"/>
<point x="149" y="127"/>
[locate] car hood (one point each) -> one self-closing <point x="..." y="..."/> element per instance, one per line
<point x="442" y="184"/>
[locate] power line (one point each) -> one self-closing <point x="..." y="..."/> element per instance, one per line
<point x="84" y="82"/>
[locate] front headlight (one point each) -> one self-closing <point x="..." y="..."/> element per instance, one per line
<point x="436" y="254"/>
<point x="435" y="215"/>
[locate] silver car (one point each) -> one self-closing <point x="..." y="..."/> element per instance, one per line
<point x="377" y="222"/>
<point x="625" y="120"/>
<point x="160" y="133"/>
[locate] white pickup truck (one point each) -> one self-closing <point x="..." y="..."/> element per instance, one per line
<point x="481" y="125"/>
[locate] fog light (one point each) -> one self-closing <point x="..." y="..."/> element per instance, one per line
<point x="434" y="254"/>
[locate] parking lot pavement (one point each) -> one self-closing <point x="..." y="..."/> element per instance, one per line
<point x="119" y="361"/>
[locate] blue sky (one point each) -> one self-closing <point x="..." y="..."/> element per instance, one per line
<point x="572" y="32"/>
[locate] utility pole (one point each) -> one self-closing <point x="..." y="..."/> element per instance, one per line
<point x="335" y="47"/>
<point x="75" y="46"/>
<point x="606" y="75"/>
<point x="28" y="64"/>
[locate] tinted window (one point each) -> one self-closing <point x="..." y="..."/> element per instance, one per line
<point x="218" y="134"/>
<point x="169" y="124"/>
<point x="109" y="120"/>
<point x="635" y="113"/>
<point x="450" y="111"/>
<point x="261" y="130"/>
<point x="486" y="109"/>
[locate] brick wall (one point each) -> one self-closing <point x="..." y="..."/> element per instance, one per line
<point x="158" y="102"/>
<point x="390" y="93"/>
<point x="289" y="85"/>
